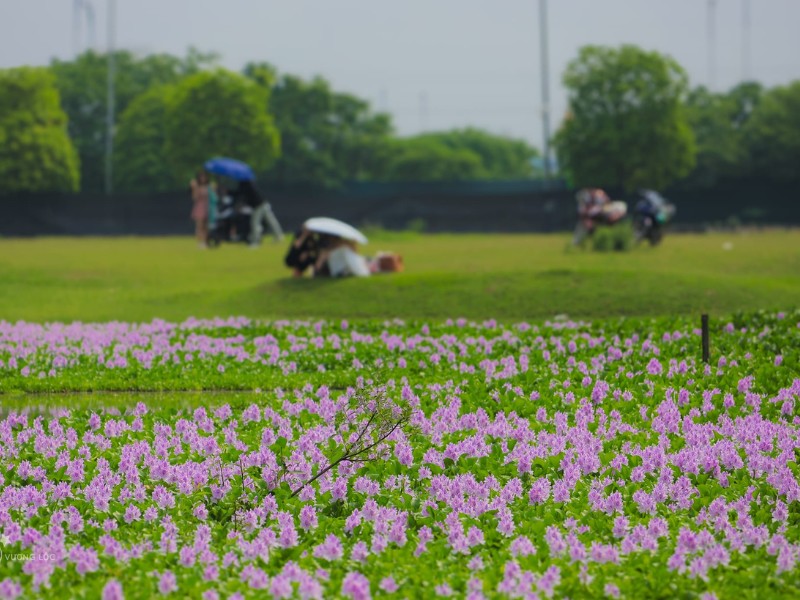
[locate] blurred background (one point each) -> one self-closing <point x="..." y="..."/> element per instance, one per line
<point x="439" y="116"/>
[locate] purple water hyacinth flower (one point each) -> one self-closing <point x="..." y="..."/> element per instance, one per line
<point x="167" y="583"/>
<point x="359" y="552"/>
<point x="356" y="586"/>
<point x="10" y="589"/>
<point x="281" y="587"/>
<point x="388" y="585"/>
<point x="522" y="547"/>
<point x="330" y="549"/>
<point x="112" y="590"/>
<point x="308" y="517"/>
<point x="540" y="491"/>
<point x="691" y="430"/>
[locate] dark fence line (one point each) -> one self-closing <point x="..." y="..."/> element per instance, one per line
<point x="464" y="207"/>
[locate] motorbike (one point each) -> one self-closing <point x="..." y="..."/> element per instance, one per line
<point x="651" y="215"/>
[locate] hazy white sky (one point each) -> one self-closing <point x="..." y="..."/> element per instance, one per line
<point x="433" y="64"/>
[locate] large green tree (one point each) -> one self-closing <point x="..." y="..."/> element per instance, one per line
<point x="82" y="84"/>
<point x="627" y="125"/>
<point x="219" y="113"/>
<point x="140" y="163"/>
<point x="36" y="154"/>
<point x="501" y="157"/>
<point x="773" y="134"/>
<point x="327" y="137"/>
<point x="718" y="122"/>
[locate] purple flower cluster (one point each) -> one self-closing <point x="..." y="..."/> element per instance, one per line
<point x="535" y="462"/>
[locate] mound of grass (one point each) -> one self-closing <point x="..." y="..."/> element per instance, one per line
<point x="509" y="277"/>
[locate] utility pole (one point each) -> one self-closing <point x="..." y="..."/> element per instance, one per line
<point x="712" y="42"/>
<point x="90" y="24"/>
<point x="77" y="15"/>
<point x="746" y="40"/>
<point x="545" y="67"/>
<point x="111" y="25"/>
<point x="90" y="28"/>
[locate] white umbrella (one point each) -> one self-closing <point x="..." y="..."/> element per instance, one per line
<point x="335" y="227"/>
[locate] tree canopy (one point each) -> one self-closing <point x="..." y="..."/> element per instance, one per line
<point x="627" y="125"/>
<point x="36" y="154"/>
<point x="140" y="163"/>
<point x="501" y="157"/>
<point x="219" y="113"/>
<point x="327" y="137"/>
<point x="773" y="134"/>
<point x="632" y="122"/>
<point x="718" y="121"/>
<point x="82" y="85"/>
<point x="427" y="159"/>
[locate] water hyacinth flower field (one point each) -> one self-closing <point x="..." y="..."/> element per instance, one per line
<point x="401" y="459"/>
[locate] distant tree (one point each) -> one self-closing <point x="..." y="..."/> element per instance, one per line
<point x="718" y="122"/>
<point x="772" y="134"/>
<point x="140" y="163"/>
<point x="327" y="138"/>
<point x="82" y="85"/>
<point x="421" y="159"/>
<point x="219" y="113"/>
<point x="628" y="126"/>
<point x="36" y="154"/>
<point x="501" y="157"/>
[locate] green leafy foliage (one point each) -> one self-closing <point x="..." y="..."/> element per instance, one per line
<point x="219" y="113"/>
<point x="718" y="122"/>
<point x="773" y="134"/>
<point x="327" y="137"/>
<point x="627" y="126"/>
<point x="82" y="84"/>
<point x="618" y="238"/>
<point x="36" y="154"/>
<point x="428" y="159"/>
<point x="140" y="163"/>
<point x="501" y="157"/>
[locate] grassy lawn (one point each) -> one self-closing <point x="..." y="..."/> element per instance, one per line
<point x="477" y="276"/>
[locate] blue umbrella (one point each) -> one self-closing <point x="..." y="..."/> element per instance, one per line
<point x="230" y="167"/>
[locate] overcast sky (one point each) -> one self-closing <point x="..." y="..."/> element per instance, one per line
<point x="433" y="64"/>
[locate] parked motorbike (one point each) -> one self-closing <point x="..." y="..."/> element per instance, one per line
<point x="651" y="215"/>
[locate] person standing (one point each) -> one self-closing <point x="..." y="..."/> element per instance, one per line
<point x="249" y="194"/>
<point x="199" y="214"/>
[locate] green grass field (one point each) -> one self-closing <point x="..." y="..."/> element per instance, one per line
<point x="478" y="276"/>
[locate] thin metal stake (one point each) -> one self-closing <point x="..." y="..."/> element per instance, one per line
<point x="704" y="326"/>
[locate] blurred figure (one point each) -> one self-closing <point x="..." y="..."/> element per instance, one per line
<point x="342" y="259"/>
<point x="303" y="252"/>
<point x="651" y="214"/>
<point x="200" y="196"/>
<point x="595" y="208"/>
<point x="386" y="262"/>
<point x="261" y="211"/>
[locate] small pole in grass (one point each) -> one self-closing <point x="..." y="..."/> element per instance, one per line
<point x="704" y="326"/>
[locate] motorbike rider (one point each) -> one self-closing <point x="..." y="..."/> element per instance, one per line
<point x="651" y="213"/>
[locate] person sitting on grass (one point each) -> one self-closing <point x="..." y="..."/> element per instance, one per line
<point x="342" y="259"/>
<point x="303" y="252"/>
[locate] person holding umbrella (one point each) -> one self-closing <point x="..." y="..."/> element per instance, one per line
<point x="338" y="255"/>
<point x="249" y="195"/>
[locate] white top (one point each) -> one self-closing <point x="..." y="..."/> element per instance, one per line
<point x="345" y="261"/>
